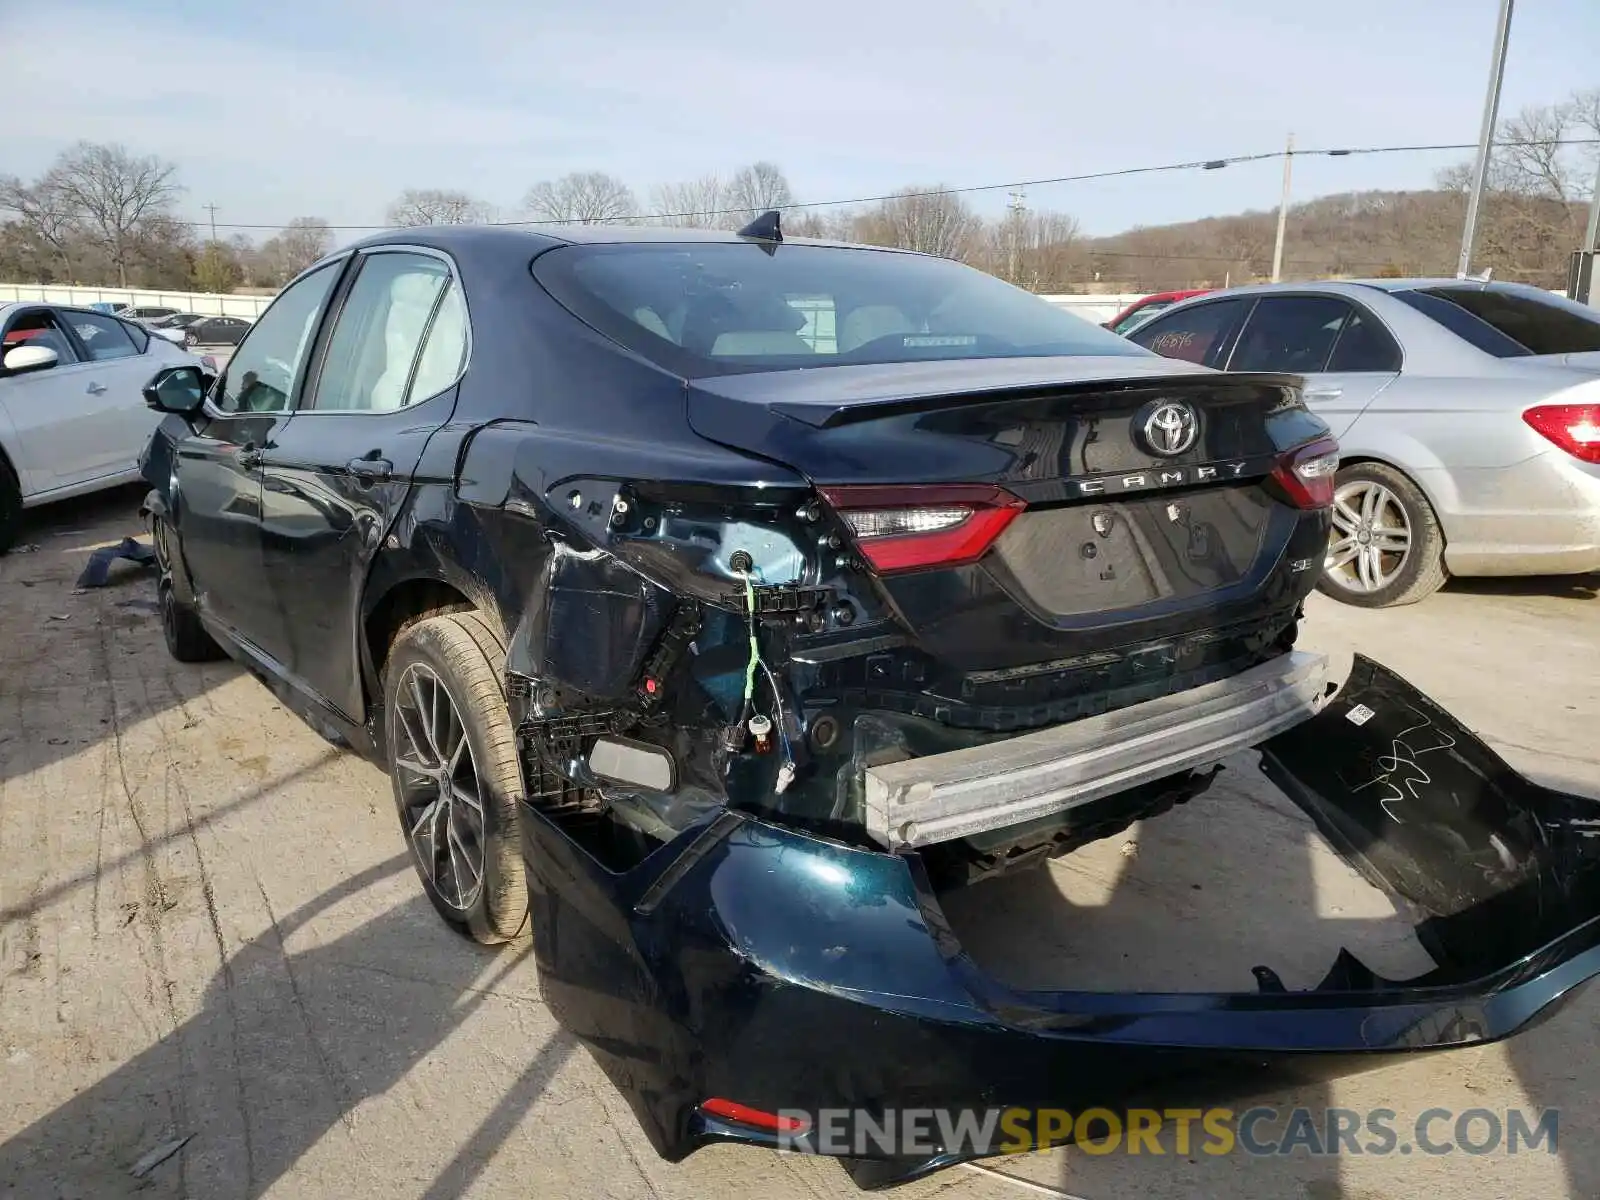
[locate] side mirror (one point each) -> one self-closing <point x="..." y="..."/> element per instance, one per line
<point x="179" y="390"/>
<point x="26" y="359"/>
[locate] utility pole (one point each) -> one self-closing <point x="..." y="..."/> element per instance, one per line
<point x="1017" y="208"/>
<point x="1591" y="247"/>
<point x="1283" y="210"/>
<point x="212" y="209"/>
<point x="1491" y="117"/>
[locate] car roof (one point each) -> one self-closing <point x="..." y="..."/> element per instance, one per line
<point x="1356" y="286"/>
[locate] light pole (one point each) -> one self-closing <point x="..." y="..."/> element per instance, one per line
<point x="1491" y="115"/>
<point x="1283" y="211"/>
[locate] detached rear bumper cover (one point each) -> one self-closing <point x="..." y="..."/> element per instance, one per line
<point x="940" y="797"/>
<point x="755" y="963"/>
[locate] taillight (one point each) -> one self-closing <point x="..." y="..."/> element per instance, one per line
<point x="1306" y="473"/>
<point x="743" y="1114"/>
<point x="1573" y="427"/>
<point x="935" y="525"/>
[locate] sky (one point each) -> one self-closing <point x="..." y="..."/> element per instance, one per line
<point x="330" y="109"/>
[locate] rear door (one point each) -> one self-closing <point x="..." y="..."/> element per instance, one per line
<point x="339" y="470"/>
<point x="122" y="351"/>
<point x="1344" y="352"/>
<point x="1203" y="334"/>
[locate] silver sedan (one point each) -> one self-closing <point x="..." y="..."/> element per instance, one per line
<point x="1468" y="417"/>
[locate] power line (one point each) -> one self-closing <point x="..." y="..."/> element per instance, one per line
<point x="1199" y="164"/>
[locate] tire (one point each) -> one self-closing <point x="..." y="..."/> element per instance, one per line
<point x="1369" y="498"/>
<point x="186" y="638"/>
<point x="10" y="506"/>
<point x="453" y="658"/>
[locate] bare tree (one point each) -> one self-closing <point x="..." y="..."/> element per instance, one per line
<point x="756" y="189"/>
<point x="928" y="219"/>
<point x="295" y="247"/>
<point x="581" y="198"/>
<point x="113" y="193"/>
<point x="695" y="204"/>
<point x="437" y="206"/>
<point x="44" y="213"/>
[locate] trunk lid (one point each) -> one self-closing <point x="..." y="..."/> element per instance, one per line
<point x="1120" y="531"/>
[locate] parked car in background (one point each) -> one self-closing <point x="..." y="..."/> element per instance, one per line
<point x="172" y="328"/>
<point x="1468" y="416"/>
<point x="147" y="313"/>
<point x="215" y="331"/>
<point x="72" y="411"/>
<point x="1140" y="311"/>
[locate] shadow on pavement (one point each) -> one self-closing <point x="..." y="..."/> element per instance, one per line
<point x="286" y="1046"/>
<point x="1573" y="587"/>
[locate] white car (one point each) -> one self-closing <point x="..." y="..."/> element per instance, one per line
<point x="72" y="412"/>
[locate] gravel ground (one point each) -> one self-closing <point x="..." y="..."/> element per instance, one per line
<point x="208" y="930"/>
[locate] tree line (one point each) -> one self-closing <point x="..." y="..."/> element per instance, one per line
<point x="104" y="215"/>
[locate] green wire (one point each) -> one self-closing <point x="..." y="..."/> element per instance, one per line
<point x="755" y="650"/>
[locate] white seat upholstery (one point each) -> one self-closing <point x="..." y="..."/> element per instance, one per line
<point x="447" y="343"/>
<point x="411" y="298"/>
<point x="869" y="322"/>
<point x="758" y="342"/>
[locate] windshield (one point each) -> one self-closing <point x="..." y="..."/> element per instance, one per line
<point x="724" y="307"/>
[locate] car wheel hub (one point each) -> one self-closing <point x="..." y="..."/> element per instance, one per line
<point x="1370" y="543"/>
<point x="441" y="802"/>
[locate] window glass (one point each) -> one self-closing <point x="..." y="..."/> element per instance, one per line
<point x="716" y="308"/>
<point x="379" y="333"/>
<point x="445" y="351"/>
<point x="103" y="337"/>
<point x="1198" y="335"/>
<point x="1140" y="315"/>
<point x="262" y="372"/>
<point x="38" y="328"/>
<point x="140" y="336"/>
<point x="1536" y="324"/>
<point x="1294" y="334"/>
<point x="1364" y="345"/>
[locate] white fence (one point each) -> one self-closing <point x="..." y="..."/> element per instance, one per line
<point x="209" y="303"/>
<point x="1098" y="309"/>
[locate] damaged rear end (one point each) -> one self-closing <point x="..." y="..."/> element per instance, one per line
<point x="811" y="648"/>
<point x="921" y="636"/>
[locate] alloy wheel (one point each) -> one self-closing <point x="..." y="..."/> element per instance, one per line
<point x="442" y="802"/>
<point x="1371" y="538"/>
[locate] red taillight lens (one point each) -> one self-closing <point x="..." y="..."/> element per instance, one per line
<point x="907" y="528"/>
<point x="1573" y="427"/>
<point x="1306" y="473"/>
<point x="743" y="1114"/>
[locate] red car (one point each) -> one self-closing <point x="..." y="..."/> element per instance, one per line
<point x="1141" y="311"/>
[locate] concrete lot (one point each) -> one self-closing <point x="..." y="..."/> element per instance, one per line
<point x="210" y="931"/>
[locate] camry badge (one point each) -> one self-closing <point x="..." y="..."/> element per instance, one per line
<point x="1168" y="427"/>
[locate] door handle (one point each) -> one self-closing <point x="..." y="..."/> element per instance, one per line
<point x="370" y="470"/>
<point x="1323" y="393"/>
<point x="248" y="456"/>
<point x="96" y="389"/>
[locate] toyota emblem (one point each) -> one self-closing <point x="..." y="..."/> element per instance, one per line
<point x="1169" y="427"/>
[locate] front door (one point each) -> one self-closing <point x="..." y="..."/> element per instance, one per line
<point x="217" y="508"/>
<point x="337" y="474"/>
<point x="1344" y="353"/>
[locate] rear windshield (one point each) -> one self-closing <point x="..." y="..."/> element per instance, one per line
<point x="1511" y="324"/>
<point x="725" y="307"/>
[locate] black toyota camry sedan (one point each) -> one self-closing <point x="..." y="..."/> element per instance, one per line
<point x="714" y="600"/>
